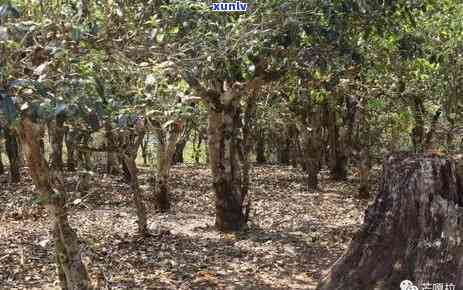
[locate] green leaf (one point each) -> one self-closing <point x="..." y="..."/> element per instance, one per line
<point x="174" y="30"/>
<point x="160" y="37"/>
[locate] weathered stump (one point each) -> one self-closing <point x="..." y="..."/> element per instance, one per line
<point x="412" y="231"/>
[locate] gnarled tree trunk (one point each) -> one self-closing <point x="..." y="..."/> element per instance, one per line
<point x="72" y="272"/>
<point x="137" y="196"/>
<point x="412" y="231"/>
<point x="131" y="142"/>
<point x="224" y="148"/>
<point x="168" y="140"/>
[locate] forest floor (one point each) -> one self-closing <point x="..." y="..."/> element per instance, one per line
<point x="293" y="237"/>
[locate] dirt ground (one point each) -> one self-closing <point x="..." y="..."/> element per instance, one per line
<point x="293" y="237"/>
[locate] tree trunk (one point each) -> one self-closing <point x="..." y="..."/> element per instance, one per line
<point x="144" y="150"/>
<point x="312" y="168"/>
<point x="364" y="173"/>
<point x="83" y="156"/>
<point x="226" y="169"/>
<point x="56" y="134"/>
<point x="418" y="131"/>
<point x="21" y="160"/>
<point x="71" y="139"/>
<point x="295" y="150"/>
<point x="178" y="156"/>
<point x="140" y="208"/>
<point x="83" y="10"/>
<point x="125" y="170"/>
<point x="131" y="142"/>
<point x="72" y="272"/>
<point x="337" y="158"/>
<point x="249" y="123"/>
<point x="283" y="149"/>
<point x="2" y="169"/>
<point x="11" y="145"/>
<point x="180" y="147"/>
<point x="260" y="149"/>
<point x="111" y="157"/>
<point x="412" y="231"/>
<point x="197" y="141"/>
<point x="340" y="136"/>
<point x="428" y="142"/>
<point x="168" y="140"/>
<point x="312" y="148"/>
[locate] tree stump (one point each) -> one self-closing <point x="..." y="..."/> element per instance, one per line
<point x="413" y="230"/>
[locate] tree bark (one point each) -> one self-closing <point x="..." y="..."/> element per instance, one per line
<point x="249" y="123"/>
<point x="131" y="142"/>
<point x="312" y="159"/>
<point x="144" y="150"/>
<point x="71" y="139"/>
<point x="338" y="154"/>
<point x="83" y="157"/>
<point x="111" y="157"/>
<point x="168" y="140"/>
<point x="179" y="148"/>
<point x="283" y="149"/>
<point x="339" y="159"/>
<point x="197" y="141"/>
<point x="72" y="272"/>
<point x="295" y="150"/>
<point x="364" y="173"/>
<point x="418" y="133"/>
<point x="224" y="147"/>
<point x="12" y="150"/>
<point x="428" y="142"/>
<point x="125" y="170"/>
<point x="311" y="136"/>
<point x="2" y="168"/>
<point x="226" y="168"/>
<point x="136" y="194"/>
<point x="56" y="133"/>
<point x="260" y="148"/>
<point x="412" y="231"/>
<point x="340" y="135"/>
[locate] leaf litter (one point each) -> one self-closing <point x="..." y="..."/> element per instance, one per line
<point x="294" y="236"/>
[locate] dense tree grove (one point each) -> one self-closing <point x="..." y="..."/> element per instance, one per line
<point x="319" y="85"/>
